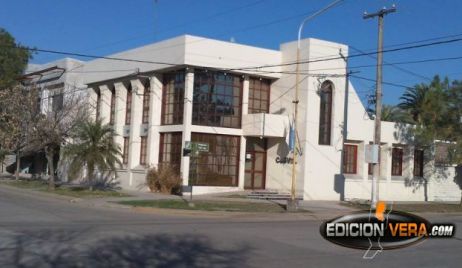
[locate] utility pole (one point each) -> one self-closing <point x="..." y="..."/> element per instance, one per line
<point x="378" y="100"/>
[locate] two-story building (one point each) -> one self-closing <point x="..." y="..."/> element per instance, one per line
<point x="237" y="102"/>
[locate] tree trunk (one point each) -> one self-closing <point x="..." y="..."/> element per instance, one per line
<point x="18" y="164"/>
<point x="90" y="171"/>
<point x="51" y="169"/>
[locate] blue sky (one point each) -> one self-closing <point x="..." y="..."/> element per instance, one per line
<point x="106" y="26"/>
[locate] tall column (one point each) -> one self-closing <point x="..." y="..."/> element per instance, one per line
<point x="187" y="121"/>
<point x="92" y="102"/>
<point x="245" y="110"/>
<point x="105" y="104"/>
<point x="135" y="123"/>
<point x="119" y="116"/>
<point x="155" y="108"/>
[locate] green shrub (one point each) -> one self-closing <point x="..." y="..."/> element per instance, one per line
<point x="164" y="179"/>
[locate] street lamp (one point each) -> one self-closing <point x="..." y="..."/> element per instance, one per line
<point x="292" y="204"/>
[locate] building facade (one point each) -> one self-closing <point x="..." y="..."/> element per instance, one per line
<point x="236" y="103"/>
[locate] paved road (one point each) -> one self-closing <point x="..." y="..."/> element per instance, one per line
<point x="37" y="231"/>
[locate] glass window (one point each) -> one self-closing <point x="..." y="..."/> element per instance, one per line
<point x="217" y="99"/>
<point x="128" y="109"/>
<point x="125" y="151"/>
<point x="170" y="148"/>
<point x="259" y="95"/>
<point x="98" y="104"/>
<point x="173" y="98"/>
<point x="325" y="113"/>
<point x="113" y="99"/>
<point x="143" y="150"/>
<point x="350" y="156"/>
<point x="220" y="165"/>
<point x="418" y="163"/>
<point x="146" y="98"/>
<point x="397" y="162"/>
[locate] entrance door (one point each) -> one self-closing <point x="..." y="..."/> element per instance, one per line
<point x="255" y="164"/>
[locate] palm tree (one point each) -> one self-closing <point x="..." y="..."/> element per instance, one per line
<point x="94" y="148"/>
<point x="413" y="100"/>
<point x="393" y="113"/>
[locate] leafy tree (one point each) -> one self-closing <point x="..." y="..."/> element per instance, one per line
<point x="94" y="148"/>
<point x="53" y="129"/>
<point x="393" y="113"/>
<point x="18" y="114"/>
<point x="13" y="60"/>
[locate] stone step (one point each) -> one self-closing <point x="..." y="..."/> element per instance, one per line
<point x="270" y="195"/>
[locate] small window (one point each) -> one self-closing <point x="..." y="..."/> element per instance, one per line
<point x="113" y="99"/>
<point x="146" y="98"/>
<point x="418" y="163"/>
<point x="325" y="113"/>
<point x="128" y="109"/>
<point x="397" y="162"/>
<point x="143" y="150"/>
<point x="125" y="151"/>
<point x="350" y="159"/>
<point x="442" y="156"/>
<point x="98" y="104"/>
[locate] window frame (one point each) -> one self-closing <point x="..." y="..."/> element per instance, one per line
<point x="112" y="113"/>
<point x="146" y="107"/>
<point x="174" y="151"/>
<point x="264" y="87"/>
<point x="397" y="155"/>
<point x="354" y="162"/>
<point x="325" y="113"/>
<point x="143" y="150"/>
<point x="128" y="106"/>
<point x="125" y="152"/>
<point x="173" y="90"/>
<point x="419" y="156"/>
<point x="206" y="113"/>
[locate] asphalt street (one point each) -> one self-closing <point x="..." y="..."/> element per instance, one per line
<point x="39" y="231"/>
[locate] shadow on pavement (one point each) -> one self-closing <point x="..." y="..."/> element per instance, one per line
<point x="65" y="249"/>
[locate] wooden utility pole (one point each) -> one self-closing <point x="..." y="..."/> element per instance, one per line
<point x="378" y="101"/>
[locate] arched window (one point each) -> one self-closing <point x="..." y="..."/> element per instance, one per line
<point x="325" y="113"/>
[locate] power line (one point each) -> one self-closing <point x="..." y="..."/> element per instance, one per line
<point x="394" y="65"/>
<point x="351" y="56"/>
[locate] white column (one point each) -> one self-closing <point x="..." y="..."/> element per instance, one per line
<point x="187" y="121"/>
<point x="155" y="108"/>
<point x="92" y="102"/>
<point x="245" y="110"/>
<point x="135" y="123"/>
<point x="105" y="104"/>
<point x="119" y="116"/>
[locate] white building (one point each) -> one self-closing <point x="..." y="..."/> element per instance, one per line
<point x="192" y="89"/>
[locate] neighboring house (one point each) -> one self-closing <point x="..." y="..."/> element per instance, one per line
<point x="193" y="89"/>
<point x="56" y="81"/>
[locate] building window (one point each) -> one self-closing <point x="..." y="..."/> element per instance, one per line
<point x="220" y="165"/>
<point x="146" y="98"/>
<point x="217" y="99"/>
<point x="173" y="98"/>
<point x="170" y="149"/>
<point x="98" y="104"/>
<point x="125" y="151"/>
<point x="259" y="95"/>
<point x="113" y="100"/>
<point x="128" y="108"/>
<point x="418" y="163"/>
<point x="143" y="150"/>
<point x="350" y="158"/>
<point x="325" y="113"/>
<point x="442" y="154"/>
<point x="57" y="101"/>
<point x="397" y="162"/>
